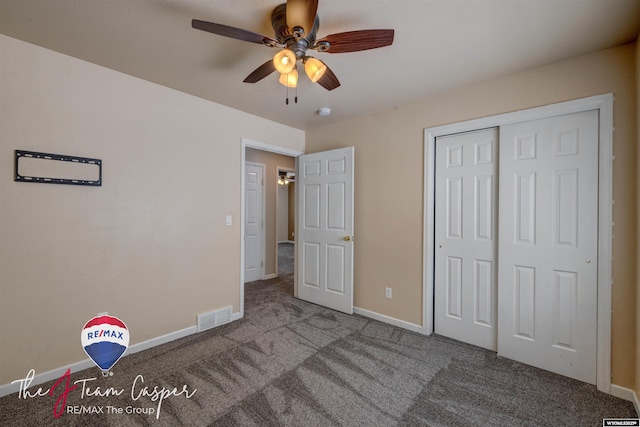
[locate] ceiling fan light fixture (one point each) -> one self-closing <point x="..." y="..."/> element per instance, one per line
<point x="289" y="79"/>
<point x="284" y="61"/>
<point x="296" y="24"/>
<point x="314" y="68"/>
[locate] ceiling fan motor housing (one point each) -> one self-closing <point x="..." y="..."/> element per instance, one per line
<point x="295" y="39"/>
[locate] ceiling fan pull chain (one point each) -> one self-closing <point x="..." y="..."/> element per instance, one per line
<point x="296" y="99"/>
<point x="287" y="95"/>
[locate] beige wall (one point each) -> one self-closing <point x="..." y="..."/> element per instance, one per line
<point x="150" y="246"/>
<point x="389" y="181"/>
<point x="272" y="162"/>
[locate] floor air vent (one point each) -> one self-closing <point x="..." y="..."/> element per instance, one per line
<point x="214" y="318"/>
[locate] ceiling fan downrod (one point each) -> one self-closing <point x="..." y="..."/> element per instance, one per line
<point x="294" y="38"/>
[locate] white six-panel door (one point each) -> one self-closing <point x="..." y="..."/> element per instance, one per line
<point x="465" y="236"/>
<point x="253" y="222"/>
<point x="325" y="228"/>
<point x="537" y="287"/>
<point x="548" y="244"/>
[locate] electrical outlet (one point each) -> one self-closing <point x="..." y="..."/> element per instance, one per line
<point x="387" y="292"/>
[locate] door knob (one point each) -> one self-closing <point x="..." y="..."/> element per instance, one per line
<point x="347" y="238"/>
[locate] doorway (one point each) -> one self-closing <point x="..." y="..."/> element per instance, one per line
<point x="324" y="201"/>
<point x="262" y="151"/>
<point x="275" y="187"/>
<point x="603" y="105"/>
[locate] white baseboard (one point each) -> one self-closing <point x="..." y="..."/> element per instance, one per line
<point x="390" y="320"/>
<point x="153" y="342"/>
<point x="45" y="376"/>
<point x="88" y="363"/>
<point x="269" y="276"/>
<point x="626" y="394"/>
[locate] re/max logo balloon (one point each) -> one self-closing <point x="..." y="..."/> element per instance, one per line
<point x="105" y="339"/>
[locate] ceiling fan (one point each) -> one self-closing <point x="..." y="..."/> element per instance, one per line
<point x="295" y="24"/>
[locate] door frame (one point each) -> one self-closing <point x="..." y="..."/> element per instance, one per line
<point x="604" y="105"/>
<point x="248" y="143"/>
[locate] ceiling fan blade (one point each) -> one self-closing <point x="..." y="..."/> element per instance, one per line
<point x="301" y="13"/>
<point x="329" y="81"/>
<point x="232" y="32"/>
<point x="353" y="41"/>
<point x="261" y="72"/>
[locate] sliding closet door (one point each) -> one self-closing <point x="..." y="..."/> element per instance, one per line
<point x="547" y="302"/>
<point x="465" y="236"/>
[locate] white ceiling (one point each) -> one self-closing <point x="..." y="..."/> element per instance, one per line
<point x="439" y="45"/>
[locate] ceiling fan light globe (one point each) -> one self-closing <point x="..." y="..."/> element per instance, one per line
<point x="289" y="79"/>
<point x="284" y="61"/>
<point x="315" y="69"/>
